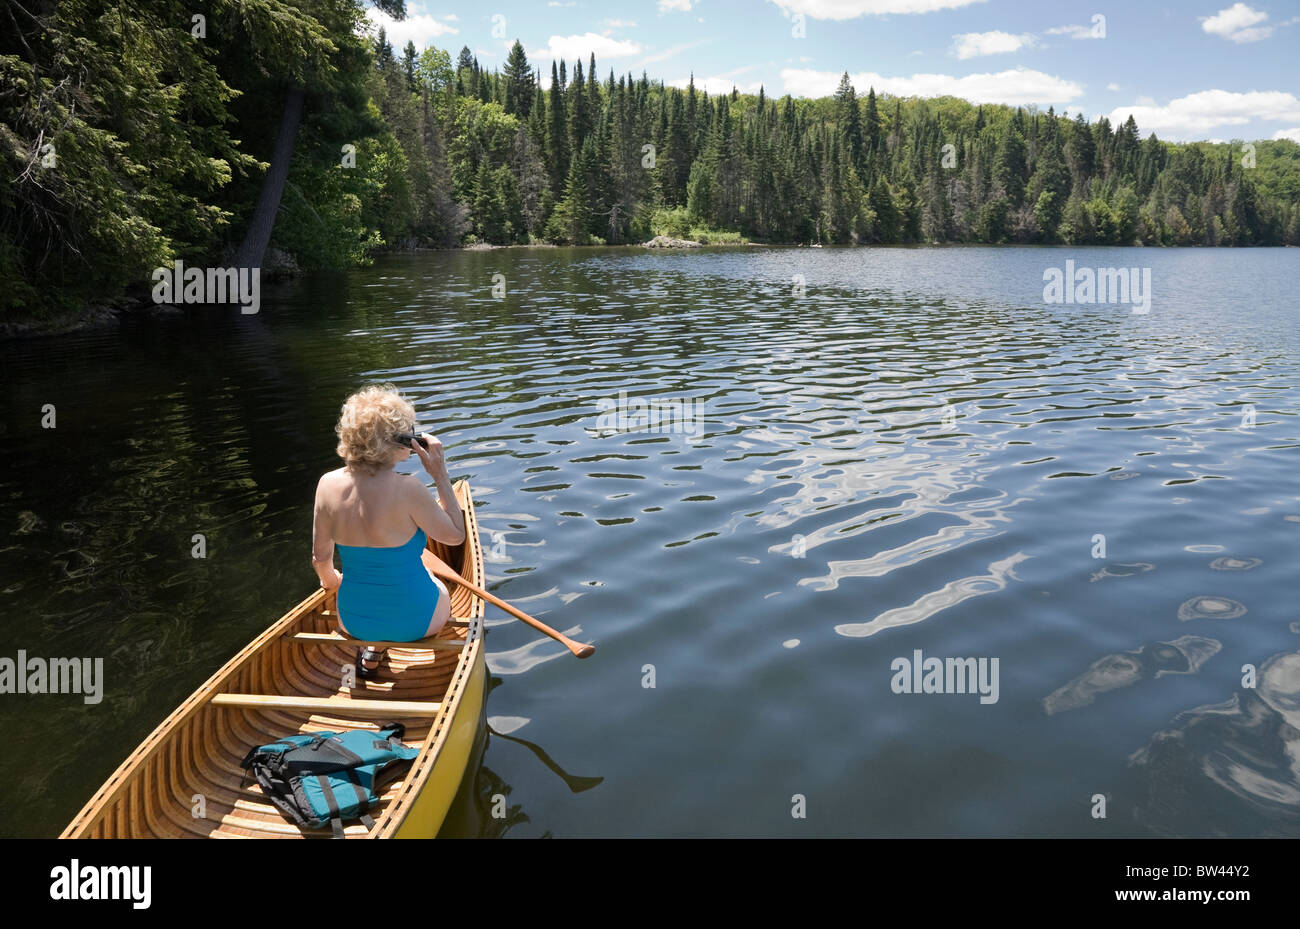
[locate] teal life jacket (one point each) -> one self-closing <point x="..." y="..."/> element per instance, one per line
<point x="325" y="778"/>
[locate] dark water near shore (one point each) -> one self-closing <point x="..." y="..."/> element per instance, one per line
<point x="916" y="453"/>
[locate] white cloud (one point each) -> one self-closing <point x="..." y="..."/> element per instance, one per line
<point x="852" y="9"/>
<point x="1292" y="134"/>
<point x="1112" y="86"/>
<point x="1237" y="24"/>
<point x="1017" y="87"/>
<point x="974" y="44"/>
<point x="1252" y="35"/>
<point x="421" y="29"/>
<point x="680" y="6"/>
<point x="670" y="52"/>
<point x="619" y="23"/>
<point x="718" y="84"/>
<point x="1193" y="116"/>
<point x="569" y="47"/>
<point x="1078" y="32"/>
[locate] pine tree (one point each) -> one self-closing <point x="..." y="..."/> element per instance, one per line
<point x="383" y="50"/>
<point x="465" y="61"/>
<point x="888" y="222"/>
<point x="489" y="206"/>
<point x="1009" y="166"/>
<point x="557" y="133"/>
<point x="1081" y="153"/>
<point x="408" y="66"/>
<point x="849" y="120"/>
<point x="579" y="121"/>
<point x="571" y="216"/>
<point x="872" y="125"/>
<point x="519" y="82"/>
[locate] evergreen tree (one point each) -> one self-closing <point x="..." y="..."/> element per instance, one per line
<point x="519" y="83"/>
<point x="872" y="125"/>
<point x="569" y="220"/>
<point x="849" y="119"/>
<point x="409" y="59"/>
<point x="557" y="134"/>
<point x="1009" y="166"/>
<point x="888" y="222"/>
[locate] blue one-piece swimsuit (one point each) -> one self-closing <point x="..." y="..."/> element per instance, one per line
<point x="386" y="594"/>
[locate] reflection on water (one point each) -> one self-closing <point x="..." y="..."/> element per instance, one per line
<point x="1184" y="655"/>
<point x="528" y="656"/>
<point x="1230" y="768"/>
<point x="1121" y="570"/>
<point x="504" y="725"/>
<point x="575" y="783"/>
<point x="928" y="604"/>
<point x="1211" y="608"/>
<point x="483" y="806"/>
<point x="916" y="453"/>
<point x="1229" y="563"/>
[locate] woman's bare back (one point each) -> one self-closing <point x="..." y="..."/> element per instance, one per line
<point x="371" y="510"/>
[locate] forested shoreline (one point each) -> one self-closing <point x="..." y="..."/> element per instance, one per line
<point x="133" y="138"/>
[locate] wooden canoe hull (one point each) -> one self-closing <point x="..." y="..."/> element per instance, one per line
<point x="434" y="800"/>
<point x="185" y="781"/>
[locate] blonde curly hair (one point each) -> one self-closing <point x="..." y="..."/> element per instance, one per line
<point x="369" y="418"/>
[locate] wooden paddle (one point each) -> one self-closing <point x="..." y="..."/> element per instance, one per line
<point x="445" y="571"/>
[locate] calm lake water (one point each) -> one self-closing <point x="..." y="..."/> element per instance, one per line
<point x="873" y="452"/>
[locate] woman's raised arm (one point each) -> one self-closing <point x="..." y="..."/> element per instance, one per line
<point x="444" y="523"/>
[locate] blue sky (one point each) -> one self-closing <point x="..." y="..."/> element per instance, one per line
<point x="1186" y="70"/>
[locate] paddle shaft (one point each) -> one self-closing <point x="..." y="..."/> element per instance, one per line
<point x="445" y="571"/>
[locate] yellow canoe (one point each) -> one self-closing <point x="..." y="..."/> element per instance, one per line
<point x="185" y="779"/>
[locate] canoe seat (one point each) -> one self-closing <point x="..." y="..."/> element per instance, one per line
<point x="342" y="705"/>
<point x="433" y="642"/>
<point x="454" y="621"/>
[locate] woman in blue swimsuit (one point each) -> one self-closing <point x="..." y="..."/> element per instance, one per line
<point x="380" y="520"/>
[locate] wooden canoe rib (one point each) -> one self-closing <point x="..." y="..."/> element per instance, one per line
<point x="184" y="779"/>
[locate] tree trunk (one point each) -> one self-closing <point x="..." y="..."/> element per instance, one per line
<point x="258" y="234"/>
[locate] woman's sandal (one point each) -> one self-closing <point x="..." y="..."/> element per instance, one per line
<point x="368" y="654"/>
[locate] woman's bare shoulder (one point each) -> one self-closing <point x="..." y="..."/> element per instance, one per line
<point x="411" y="484"/>
<point x="332" y="479"/>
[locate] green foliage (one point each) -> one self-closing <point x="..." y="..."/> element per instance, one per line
<point x="112" y="138"/>
<point x="1076" y="225"/>
<point x="162" y="140"/>
<point x="710" y="236"/>
<point x="323" y="218"/>
<point x="572" y="215"/>
<point x="699" y="191"/>
<point x="1047" y="214"/>
<point x="673" y="221"/>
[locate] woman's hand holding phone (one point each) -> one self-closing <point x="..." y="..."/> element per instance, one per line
<point x="430" y="456"/>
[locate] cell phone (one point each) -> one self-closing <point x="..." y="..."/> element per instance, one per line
<point x="405" y="439"/>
